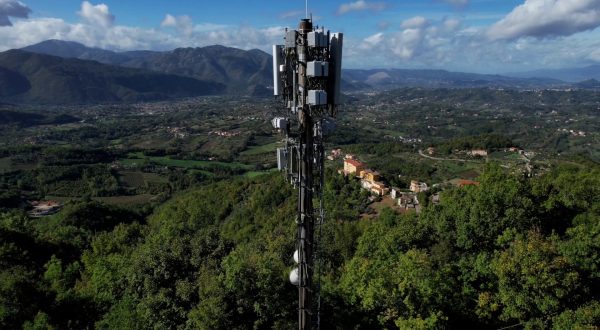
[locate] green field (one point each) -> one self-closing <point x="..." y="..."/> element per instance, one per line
<point x="138" y="179"/>
<point x="137" y="159"/>
<point x="267" y="148"/>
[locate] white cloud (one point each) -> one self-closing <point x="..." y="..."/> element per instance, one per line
<point x="25" y="33"/>
<point x="547" y="18"/>
<point x="415" y="22"/>
<point x="96" y="14"/>
<point x="183" y="24"/>
<point x="12" y="8"/>
<point x="360" y="5"/>
<point x="452" y="24"/>
<point x="169" y="20"/>
<point x="122" y="38"/>
<point x="372" y="43"/>
<point x="450" y="44"/>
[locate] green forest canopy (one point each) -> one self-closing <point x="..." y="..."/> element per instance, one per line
<point x="510" y="252"/>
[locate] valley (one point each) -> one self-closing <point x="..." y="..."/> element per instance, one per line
<point x="153" y="150"/>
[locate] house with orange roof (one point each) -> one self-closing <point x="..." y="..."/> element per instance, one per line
<point x="353" y="166"/>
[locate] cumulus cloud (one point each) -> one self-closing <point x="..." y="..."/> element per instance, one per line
<point x="123" y="38"/>
<point x="372" y="42"/>
<point x="419" y="42"/>
<point x="96" y="14"/>
<point x="360" y="5"/>
<point x="453" y="45"/>
<point x="547" y="18"/>
<point x="184" y="24"/>
<point x="12" y="8"/>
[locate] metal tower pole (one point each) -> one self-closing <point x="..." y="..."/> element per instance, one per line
<point x="307" y="73"/>
<point x="306" y="188"/>
<point x="307" y="227"/>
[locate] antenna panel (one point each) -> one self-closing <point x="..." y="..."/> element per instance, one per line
<point x="317" y="97"/>
<point x="337" y="42"/>
<point x="317" y="69"/>
<point x="277" y="63"/>
<point x="290" y="38"/>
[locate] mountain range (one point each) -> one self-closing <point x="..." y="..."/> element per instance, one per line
<point x="66" y="72"/>
<point x="36" y="78"/>
<point x="242" y="72"/>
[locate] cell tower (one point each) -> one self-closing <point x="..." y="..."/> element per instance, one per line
<point x="307" y="75"/>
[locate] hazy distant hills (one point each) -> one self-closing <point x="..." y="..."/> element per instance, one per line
<point x="37" y="78"/>
<point x="589" y="84"/>
<point x="572" y="75"/>
<point x="394" y="78"/>
<point x="69" y="72"/>
<point x="70" y="49"/>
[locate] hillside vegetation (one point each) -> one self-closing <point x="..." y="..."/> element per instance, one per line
<point x="510" y="252"/>
<point x="36" y="78"/>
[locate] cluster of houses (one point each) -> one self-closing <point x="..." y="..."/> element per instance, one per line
<point x="405" y="200"/>
<point x="369" y="179"/>
<point x="473" y="152"/>
<point x="484" y="153"/>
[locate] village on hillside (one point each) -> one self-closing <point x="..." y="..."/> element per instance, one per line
<point x="400" y="199"/>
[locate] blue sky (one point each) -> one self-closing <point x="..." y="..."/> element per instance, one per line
<point x="492" y="36"/>
<point x="267" y="13"/>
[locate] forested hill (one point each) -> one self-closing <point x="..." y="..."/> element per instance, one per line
<point x="36" y="78"/>
<point x="511" y="252"/>
<point x="247" y="72"/>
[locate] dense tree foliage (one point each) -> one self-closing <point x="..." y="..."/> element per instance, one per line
<point x="512" y="252"/>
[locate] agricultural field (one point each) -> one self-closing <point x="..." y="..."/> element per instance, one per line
<point x="137" y="159"/>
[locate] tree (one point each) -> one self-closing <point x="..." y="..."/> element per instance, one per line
<point x="534" y="280"/>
